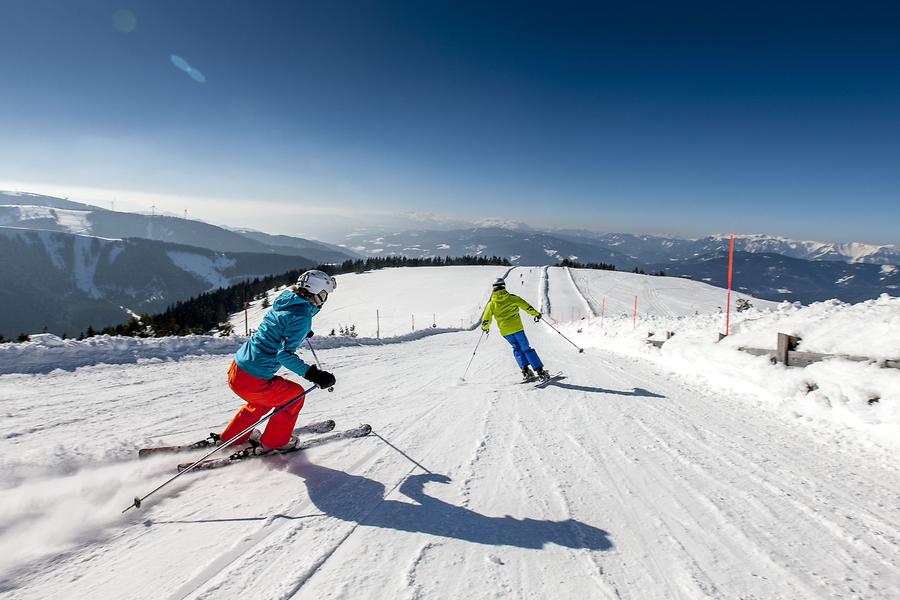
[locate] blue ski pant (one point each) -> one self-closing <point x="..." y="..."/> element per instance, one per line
<point x="523" y="351"/>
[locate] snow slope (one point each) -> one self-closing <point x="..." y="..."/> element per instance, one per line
<point x="628" y="479"/>
<point x="449" y="297"/>
<point x="455" y="297"/>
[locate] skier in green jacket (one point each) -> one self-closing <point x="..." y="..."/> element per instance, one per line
<point x="505" y="307"/>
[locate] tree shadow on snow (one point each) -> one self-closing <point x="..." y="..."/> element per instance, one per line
<point x="361" y="500"/>
<point x="598" y="390"/>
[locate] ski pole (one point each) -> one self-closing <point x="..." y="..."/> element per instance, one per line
<point x="140" y="499"/>
<point x="564" y="337"/>
<point x="318" y="364"/>
<point x="481" y="337"/>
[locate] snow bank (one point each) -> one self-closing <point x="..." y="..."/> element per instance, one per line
<point x="870" y="328"/>
<point x="840" y="395"/>
<point x="47" y="352"/>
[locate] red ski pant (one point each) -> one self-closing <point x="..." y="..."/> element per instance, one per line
<point x="261" y="395"/>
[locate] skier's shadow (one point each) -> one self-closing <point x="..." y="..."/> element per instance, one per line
<point x="599" y="390"/>
<point x="361" y="500"/>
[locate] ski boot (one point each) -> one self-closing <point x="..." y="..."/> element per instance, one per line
<point x="259" y="448"/>
<point x="543" y="374"/>
<point x="527" y="373"/>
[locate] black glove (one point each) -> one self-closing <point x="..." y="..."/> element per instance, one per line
<point x="321" y="378"/>
<point x="310" y="334"/>
<point x="537" y="318"/>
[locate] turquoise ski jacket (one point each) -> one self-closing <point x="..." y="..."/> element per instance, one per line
<point x="281" y="332"/>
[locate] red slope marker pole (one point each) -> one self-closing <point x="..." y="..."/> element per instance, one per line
<point x="730" y="270"/>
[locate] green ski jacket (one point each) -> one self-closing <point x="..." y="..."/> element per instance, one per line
<point x="504" y="307"/>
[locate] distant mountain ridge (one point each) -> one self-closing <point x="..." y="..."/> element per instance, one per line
<point x="773" y="268"/>
<point x="33" y="211"/>
<point x="779" y="277"/>
<point x="524" y="245"/>
<point x="650" y="249"/>
<point x="66" y="282"/>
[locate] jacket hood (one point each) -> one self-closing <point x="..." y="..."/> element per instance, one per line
<point x="290" y="298"/>
<point x="500" y="293"/>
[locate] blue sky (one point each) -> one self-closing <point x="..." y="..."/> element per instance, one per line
<point x="683" y="118"/>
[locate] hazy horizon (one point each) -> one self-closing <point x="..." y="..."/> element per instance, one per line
<point x="352" y="225"/>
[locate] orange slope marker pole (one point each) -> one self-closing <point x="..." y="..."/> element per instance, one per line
<point x="635" y="313"/>
<point x="730" y="270"/>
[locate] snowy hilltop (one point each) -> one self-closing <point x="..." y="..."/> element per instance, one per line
<point x="686" y="468"/>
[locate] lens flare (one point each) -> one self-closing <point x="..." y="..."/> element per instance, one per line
<point x="187" y="68"/>
<point x="124" y="20"/>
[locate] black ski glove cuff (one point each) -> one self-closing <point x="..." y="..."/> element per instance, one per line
<point x="537" y="317"/>
<point x="321" y="378"/>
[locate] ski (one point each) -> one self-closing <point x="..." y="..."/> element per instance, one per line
<point x="215" y="440"/>
<point x="545" y="382"/>
<point x="245" y="453"/>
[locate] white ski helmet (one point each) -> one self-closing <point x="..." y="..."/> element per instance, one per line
<point x="317" y="284"/>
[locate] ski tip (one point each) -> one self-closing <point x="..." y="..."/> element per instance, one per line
<point x="365" y="429"/>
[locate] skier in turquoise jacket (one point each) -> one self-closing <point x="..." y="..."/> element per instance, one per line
<point x="272" y="346"/>
<point x="505" y="307"/>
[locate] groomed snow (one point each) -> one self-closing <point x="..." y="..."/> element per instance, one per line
<point x="643" y="474"/>
<point x="403" y="300"/>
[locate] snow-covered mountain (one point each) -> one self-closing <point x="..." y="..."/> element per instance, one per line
<point x="65" y="282"/>
<point x="32" y="211"/>
<point x="319" y="252"/>
<point x="527" y="246"/>
<point x="779" y="277"/>
<point x="648" y="249"/>
<point x="31" y="199"/>
<point x="523" y="247"/>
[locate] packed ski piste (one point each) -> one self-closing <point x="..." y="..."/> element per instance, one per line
<point x="569" y="460"/>
<point x="277" y="401"/>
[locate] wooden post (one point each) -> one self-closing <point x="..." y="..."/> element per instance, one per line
<point x="635" y="312"/>
<point x="786" y="343"/>
<point x="377" y="325"/>
<point x="602" y="312"/>
<point x="413" y="322"/>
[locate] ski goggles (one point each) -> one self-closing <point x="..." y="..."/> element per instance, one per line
<point x="322" y="297"/>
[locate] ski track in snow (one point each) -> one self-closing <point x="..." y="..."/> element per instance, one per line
<point x="620" y="481"/>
